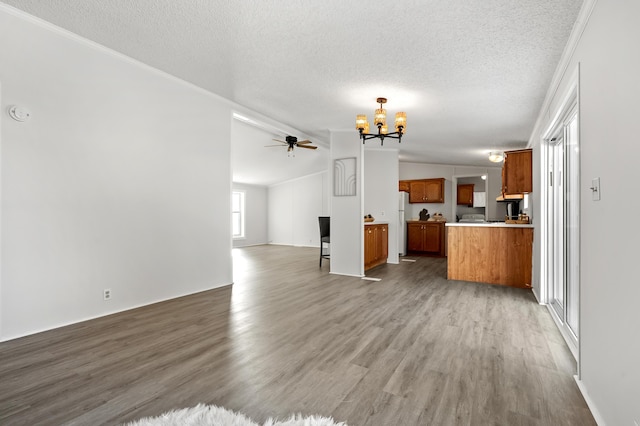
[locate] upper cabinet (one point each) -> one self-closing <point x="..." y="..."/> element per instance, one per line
<point x="517" y="172"/>
<point x="403" y="185"/>
<point x="465" y="194"/>
<point x="426" y="191"/>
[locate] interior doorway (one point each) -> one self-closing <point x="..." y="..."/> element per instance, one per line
<point x="476" y="205"/>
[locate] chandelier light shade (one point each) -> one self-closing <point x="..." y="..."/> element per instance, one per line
<point x="496" y="156"/>
<point x="361" y="121"/>
<point x="380" y="116"/>
<point x="380" y="121"/>
<point x="401" y="121"/>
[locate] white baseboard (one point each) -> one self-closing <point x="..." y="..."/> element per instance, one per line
<point x="251" y="245"/>
<point x="346" y="275"/>
<point x="290" y="245"/>
<point x="536" y="295"/>
<point x="592" y="406"/>
<point x="106" y="314"/>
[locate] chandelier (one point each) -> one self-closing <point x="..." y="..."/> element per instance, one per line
<point x="380" y="121"/>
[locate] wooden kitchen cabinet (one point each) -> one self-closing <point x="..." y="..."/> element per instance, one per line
<point x="425" y="237"/>
<point x="403" y="186"/>
<point x="465" y="194"/>
<point x="517" y="172"/>
<point x="426" y="191"/>
<point x="376" y="245"/>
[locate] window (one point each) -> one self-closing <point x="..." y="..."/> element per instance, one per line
<point x="237" y="214"/>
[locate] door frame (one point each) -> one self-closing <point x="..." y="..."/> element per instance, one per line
<point x="569" y="104"/>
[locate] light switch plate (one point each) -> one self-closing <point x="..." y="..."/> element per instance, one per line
<point x="595" y="189"/>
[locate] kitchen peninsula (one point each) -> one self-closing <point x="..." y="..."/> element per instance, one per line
<point x="494" y="253"/>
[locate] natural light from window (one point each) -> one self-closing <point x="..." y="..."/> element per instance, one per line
<point x="237" y="214"/>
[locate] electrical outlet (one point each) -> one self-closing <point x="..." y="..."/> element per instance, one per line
<point x="106" y="294"/>
<point x="382" y="213"/>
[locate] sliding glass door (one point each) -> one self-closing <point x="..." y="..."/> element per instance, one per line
<point x="563" y="224"/>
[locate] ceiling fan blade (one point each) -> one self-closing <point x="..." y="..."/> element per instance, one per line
<point x="275" y="145"/>
<point x="303" y="142"/>
<point x="278" y="140"/>
<point x="308" y="146"/>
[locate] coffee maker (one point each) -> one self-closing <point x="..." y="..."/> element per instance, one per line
<point x="513" y="209"/>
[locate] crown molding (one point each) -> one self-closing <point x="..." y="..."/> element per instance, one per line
<point x="561" y="70"/>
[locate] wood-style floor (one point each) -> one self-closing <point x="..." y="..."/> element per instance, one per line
<point x="412" y="349"/>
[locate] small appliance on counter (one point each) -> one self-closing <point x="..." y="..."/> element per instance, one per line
<point x="512" y="210"/>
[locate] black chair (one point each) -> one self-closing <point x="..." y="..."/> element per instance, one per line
<point x="325" y="223"/>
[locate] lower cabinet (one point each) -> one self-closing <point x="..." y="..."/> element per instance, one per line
<point x="426" y="237"/>
<point x="376" y="245"/>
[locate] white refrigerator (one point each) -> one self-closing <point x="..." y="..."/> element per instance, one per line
<point x="403" y="216"/>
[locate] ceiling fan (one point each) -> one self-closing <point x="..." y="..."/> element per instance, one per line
<point x="291" y="142"/>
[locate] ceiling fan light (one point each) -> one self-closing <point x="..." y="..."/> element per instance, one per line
<point x="384" y="129"/>
<point x="361" y="122"/>
<point x="380" y="116"/>
<point x="401" y="121"/>
<point x="496" y="156"/>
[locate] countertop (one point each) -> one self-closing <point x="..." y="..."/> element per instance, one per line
<point x="376" y="222"/>
<point x="492" y="224"/>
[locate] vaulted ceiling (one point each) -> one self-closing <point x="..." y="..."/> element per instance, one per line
<point x="471" y="75"/>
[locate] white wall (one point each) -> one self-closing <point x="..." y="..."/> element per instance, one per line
<point x="294" y="207"/>
<point x="609" y="91"/>
<point x="381" y="192"/>
<point x="347" y="226"/>
<point x="495" y="210"/>
<point x="255" y="221"/>
<point x="119" y="180"/>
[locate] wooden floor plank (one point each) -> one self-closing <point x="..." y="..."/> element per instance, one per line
<point x="289" y="337"/>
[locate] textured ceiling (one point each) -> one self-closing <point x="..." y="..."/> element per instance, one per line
<point x="470" y="74"/>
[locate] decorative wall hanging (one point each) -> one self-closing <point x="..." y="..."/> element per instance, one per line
<point x="344" y="177"/>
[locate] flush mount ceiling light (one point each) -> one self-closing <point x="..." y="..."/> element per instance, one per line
<point x="496" y="156"/>
<point x="380" y="121"/>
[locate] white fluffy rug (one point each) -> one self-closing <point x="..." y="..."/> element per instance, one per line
<point x="210" y="415"/>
